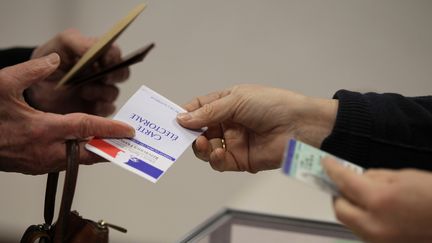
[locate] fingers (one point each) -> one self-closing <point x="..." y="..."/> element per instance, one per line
<point x="23" y="75"/>
<point x="99" y="92"/>
<point x="103" y="109"/>
<point x="75" y="43"/>
<point x="118" y="76"/>
<point x="101" y="98"/>
<point x="79" y="125"/>
<point x="87" y="157"/>
<point x="381" y="175"/>
<point x="356" y="188"/>
<point x="223" y="160"/>
<point x="350" y="215"/>
<point x="211" y="113"/>
<point x="202" y="148"/>
<point x="110" y="58"/>
<point x="198" y="102"/>
<point x="212" y="151"/>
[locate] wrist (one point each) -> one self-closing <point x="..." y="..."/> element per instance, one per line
<point x="316" y="120"/>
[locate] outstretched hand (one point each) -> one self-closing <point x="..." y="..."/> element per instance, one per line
<point x="32" y="141"/>
<point x="249" y="125"/>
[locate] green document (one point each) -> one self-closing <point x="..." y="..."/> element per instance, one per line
<point x="303" y="162"/>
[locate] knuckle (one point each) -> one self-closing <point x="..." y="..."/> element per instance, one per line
<point x="236" y="88"/>
<point x="114" y="92"/>
<point x="208" y="110"/>
<point x="68" y="33"/>
<point x="84" y="129"/>
<point x="199" y="101"/>
<point x="34" y="70"/>
<point x="380" y="201"/>
<point x="64" y="36"/>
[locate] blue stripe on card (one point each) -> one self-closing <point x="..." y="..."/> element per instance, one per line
<point x="289" y="156"/>
<point x="152" y="149"/>
<point x="145" y="167"/>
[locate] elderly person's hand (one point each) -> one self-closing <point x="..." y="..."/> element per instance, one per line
<point x="32" y="141"/>
<point x="384" y="205"/>
<point x="255" y="122"/>
<point x="94" y="98"/>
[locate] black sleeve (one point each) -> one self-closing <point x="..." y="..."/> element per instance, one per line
<point x="9" y="57"/>
<point x="382" y="130"/>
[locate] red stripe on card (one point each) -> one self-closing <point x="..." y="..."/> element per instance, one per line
<point x="105" y="147"/>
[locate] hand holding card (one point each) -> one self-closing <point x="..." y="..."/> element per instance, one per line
<point x="100" y="47"/>
<point x="303" y="162"/>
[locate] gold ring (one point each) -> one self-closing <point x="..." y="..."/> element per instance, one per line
<point x="223" y="143"/>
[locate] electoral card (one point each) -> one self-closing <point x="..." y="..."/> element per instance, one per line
<point x="303" y="162"/>
<point x="159" y="140"/>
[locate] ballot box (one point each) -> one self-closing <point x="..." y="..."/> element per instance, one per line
<point x="234" y="226"/>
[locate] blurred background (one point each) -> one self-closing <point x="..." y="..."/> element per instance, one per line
<point x="310" y="46"/>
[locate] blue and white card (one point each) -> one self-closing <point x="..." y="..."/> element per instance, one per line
<point x="159" y="140"/>
<point x="303" y="162"/>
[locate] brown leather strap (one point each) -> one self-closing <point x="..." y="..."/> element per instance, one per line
<point x="50" y="195"/>
<point x="72" y="153"/>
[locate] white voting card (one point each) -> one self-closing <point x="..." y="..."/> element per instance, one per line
<point x="159" y="140"/>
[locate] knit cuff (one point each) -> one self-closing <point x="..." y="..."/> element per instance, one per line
<point x="351" y="134"/>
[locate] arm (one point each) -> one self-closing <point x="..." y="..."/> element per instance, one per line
<point x="12" y="56"/>
<point x="255" y="122"/>
<point x="382" y="130"/>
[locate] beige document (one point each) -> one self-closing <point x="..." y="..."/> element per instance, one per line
<point x="101" y="45"/>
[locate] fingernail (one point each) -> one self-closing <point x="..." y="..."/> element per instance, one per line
<point x="184" y="116"/>
<point x="131" y="132"/>
<point x="53" y="59"/>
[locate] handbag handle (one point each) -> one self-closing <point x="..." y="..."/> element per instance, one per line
<point x="72" y="154"/>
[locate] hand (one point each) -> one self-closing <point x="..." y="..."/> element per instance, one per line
<point x="32" y="141"/>
<point x="255" y="123"/>
<point x="94" y="98"/>
<point x="384" y="205"/>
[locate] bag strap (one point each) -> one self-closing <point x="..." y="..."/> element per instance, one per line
<point x="72" y="154"/>
<point x="50" y="196"/>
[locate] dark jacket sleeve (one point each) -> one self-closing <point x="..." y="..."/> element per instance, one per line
<point x="382" y="130"/>
<point x="9" y="57"/>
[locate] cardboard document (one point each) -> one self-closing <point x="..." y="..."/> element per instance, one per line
<point x="303" y="162"/>
<point x="159" y="140"/>
<point x="101" y="46"/>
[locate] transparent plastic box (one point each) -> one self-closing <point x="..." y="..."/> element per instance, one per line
<point x="234" y="226"/>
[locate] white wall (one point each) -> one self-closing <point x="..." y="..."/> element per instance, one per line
<point x="312" y="46"/>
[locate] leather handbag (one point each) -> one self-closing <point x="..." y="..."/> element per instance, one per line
<point x="70" y="226"/>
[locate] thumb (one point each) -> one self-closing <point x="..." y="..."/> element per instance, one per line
<point x="23" y="75"/>
<point x="209" y="114"/>
<point x="80" y="125"/>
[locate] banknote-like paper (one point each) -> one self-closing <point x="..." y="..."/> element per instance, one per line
<point x="303" y="162"/>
